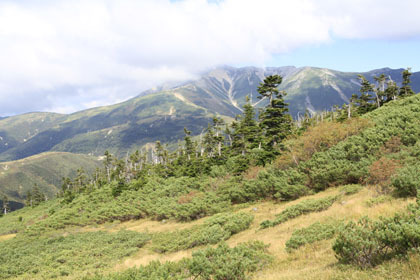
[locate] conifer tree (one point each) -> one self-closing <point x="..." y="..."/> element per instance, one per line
<point x="238" y="139"/>
<point x="405" y="89"/>
<point x="247" y="133"/>
<point x="210" y="142"/>
<point x="28" y="199"/>
<point x="217" y="124"/>
<point x="107" y="164"/>
<point x="37" y="196"/>
<point x="5" y="207"/>
<point x="275" y="120"/>
<point x="391" y="91"/>
<point x="380" y="89"/>
<point x="189" y="144"/>
<point x="364" y="101"/>
<point x="269" y="87"/>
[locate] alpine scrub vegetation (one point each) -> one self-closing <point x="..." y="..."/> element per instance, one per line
<point x="55" y="256"/>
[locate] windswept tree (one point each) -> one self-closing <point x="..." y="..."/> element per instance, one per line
<point x="269" y="87"/>
<point x="380" y="89"/>
<point x="108" y="164"/>
<point x="189" y="144"/>
<point x="405" y="89"/>
<point x="275" y="120"/>
<point x="5" y="206"/>
<point x="364" y="101"/>
<point x="391" y="91"/>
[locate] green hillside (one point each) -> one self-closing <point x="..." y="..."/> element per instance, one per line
<point x="337" y="201"/>
<point x="118" y="128"/>
<point x="44" y="170"/>
<point x="19" y="129"/>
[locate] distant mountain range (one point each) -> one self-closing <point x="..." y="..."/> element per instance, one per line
<point x="162" y="114"/>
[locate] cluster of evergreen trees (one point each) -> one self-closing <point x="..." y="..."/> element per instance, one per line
<point x="374" y="96"/>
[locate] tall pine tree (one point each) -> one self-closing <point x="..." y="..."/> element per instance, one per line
<point x="275" y="120"/>
<point x="405" y="89"/>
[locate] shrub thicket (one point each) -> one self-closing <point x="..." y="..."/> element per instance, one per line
<point x="368" y="243"/>
<point x="49" y="257"/>
<point x="220" y="263"/>
<point x="407" y="180"/>
<point x="217" y="228"/>
<point x="302" y="208"/>
<point x="315" y="232"/>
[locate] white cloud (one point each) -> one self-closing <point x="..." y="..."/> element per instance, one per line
<point x="67" y="55"/>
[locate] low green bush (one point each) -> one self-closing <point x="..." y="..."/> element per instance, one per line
<point x="378" y="200"/>
<point x="220" y="263"/>
<point x="407" y="180"/>
<point x="302" y="208"/>
<point x="350" y="189"/>
<point x="217" y="228"/>
<point x="368" y="243"/>
<point x="315" y="232"/>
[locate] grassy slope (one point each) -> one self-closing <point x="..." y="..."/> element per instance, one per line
<point x="46" y="170"/>
<point x="314" y="261"/>
<point x="118" y="128"/>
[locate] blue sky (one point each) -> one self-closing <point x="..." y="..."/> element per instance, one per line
<point x="355" y="55"/>
<point x="68" y="55"/>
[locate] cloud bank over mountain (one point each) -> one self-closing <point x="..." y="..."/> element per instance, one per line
<point x="68" y="55"/>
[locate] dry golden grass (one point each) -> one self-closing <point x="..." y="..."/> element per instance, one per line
<point x="6" y="237"/>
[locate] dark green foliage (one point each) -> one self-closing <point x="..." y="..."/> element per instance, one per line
<point x="246" y="134"/>
<point x="270" y="183"/>
<point x="302" y="208"/>
<point x="183" y="199"/>
<point x="405" y="89"/>
<point x="5" y="208"/>
<point x="350" y="189"/>
<point x="275" y="121"/>
<point x="364" y="102"/>
<point x="118" y="188"/>
<point x="220" y="263"/>
<point x="224" y="263"/>
<point x="368" y="243"/>
<point x="50" y="257"/>
<point x="407" y="180"/>
<point x="315" y="232"/>
<point x="217" y="228"/>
